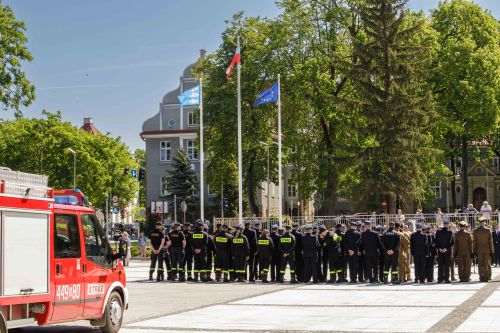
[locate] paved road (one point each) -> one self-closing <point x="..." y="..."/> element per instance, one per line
<point x="189" y="307"/>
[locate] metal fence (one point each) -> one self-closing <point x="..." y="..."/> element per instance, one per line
<point x="377" y="219"/>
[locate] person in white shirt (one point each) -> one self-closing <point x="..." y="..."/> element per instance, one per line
<point x="486" y="211"/>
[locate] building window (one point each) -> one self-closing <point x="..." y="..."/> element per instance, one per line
<point x="458" y="166"/>
<point x="210" y="192"/>
<point x="436" y="187"/>
<point x="192" y="152"/>
<point x="163" y="186"/>
<point x="192" y="119"/>
<point x="494" y="164"/>
<point x="292" y="189"/>
<point x="165" y="151"/>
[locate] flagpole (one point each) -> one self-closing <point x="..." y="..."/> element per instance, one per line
<point x="202" y="158"/>
<point x="240" y="159"/>
<point x="280" y="181"/>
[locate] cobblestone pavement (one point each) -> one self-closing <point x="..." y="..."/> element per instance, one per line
<point x="253" y="307"/>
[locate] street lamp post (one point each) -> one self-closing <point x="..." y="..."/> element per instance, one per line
<point x="268" y="180"/>
<point x="74" y="166"/>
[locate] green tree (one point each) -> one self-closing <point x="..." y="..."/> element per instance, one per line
<point x="183" y="183"/>
<point x="15" y="89"/>
<point x="394" y="50"/>
<point x="467" y="82"/>
<point x="41" y="146"/>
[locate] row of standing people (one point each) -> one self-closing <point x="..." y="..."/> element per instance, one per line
<point x="319" y="254"/>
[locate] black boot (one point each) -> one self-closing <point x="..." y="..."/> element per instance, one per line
<point x="226" y="278"/>
<point x="386" y="279"/>
<point x="333" y="278"/>
<point x="240" y="277"/>
<point x="151" y="275"/>
<point x="195" y="277"/>
<point x="292" y="278"/>
<point x="341" y="277"/>
<point x="395" y="279"/>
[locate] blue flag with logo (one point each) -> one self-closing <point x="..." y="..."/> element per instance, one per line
<point x="268" y="96"/>
<point x="190" y="96"/>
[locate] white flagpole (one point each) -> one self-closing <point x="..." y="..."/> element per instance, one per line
<point x="240" y="158"/>
<point x="202" y="158"/>
<point x="280" y="181"/>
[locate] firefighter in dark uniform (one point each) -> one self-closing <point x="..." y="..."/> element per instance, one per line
<point x="166" y="254"/>
<point x="199" y="243"/>
<point x="361" y="257"/>
<point x="188" y="253"/>
<point x="371" y="246"/>
<point x="444" y="243"/>
<point x="240" y="250"/>
<point x="351" y="239"/>
<point x="334" y="247"/>
<point x="176" y="250"/>
<point x="157" y="239"/>
<point x="341" y="261"/>
<point x="223" y="253"/>
<point x="265" y="248"/>
<point x="211" y="252"/>
<point x="276" y="258"/>
<point x="298" y="251"/>
<point x="381" y="257"/>
<point x="258" y="231"/>
<point x="232" y="277"/>
<point x="310" y="245"/>
<point x="287" y="249"/>
<point x="251" y="236"/>
<point x="419" y="249"/>
<point x="391" y="241"/>
<point x="322" y="265"/>
<point x="431" y="257"/>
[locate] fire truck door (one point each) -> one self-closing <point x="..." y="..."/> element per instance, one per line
<point x="68" y="288"/>
<point x="97" y="268"/>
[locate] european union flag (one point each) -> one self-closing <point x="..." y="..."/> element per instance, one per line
<point x="190" y="96"/>
<point x="268" y="96"/>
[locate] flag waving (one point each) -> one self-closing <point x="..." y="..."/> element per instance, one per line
<point x="236" y="60"/>
<point x="268" y="96"/>
<point x="190" y="96"/>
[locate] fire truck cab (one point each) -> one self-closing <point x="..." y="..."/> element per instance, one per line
<point x="56" y="264"/>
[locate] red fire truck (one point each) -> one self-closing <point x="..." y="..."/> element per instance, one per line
<point x="56" y="264"/>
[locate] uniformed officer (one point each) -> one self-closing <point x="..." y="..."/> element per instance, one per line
<point x="431" y="258"/>
<point x="211" y="252"/>
<point x="199" y="244"/>
<point x="177" y="252"/>
<point x="462" y="251"/>
<point x="322" y="266"/>
<point x="419" y="249"/>
<point x="381" y="257"/>
<point x="258" y="231"/>
<point x="444" y="243"/>
<point x="276" y="258"/>
<point x="188" y="253"/>
<point x="361" y="258"/>
<point x="240" y="250"/>
<point x="341" y="264"/>
<point x="232" y="276"/>
<point x="483" y="249"/>
<point x="166" y="254"/>
<point x="157" y="239"/>
<point x="223" y="253"/>
<point x="265" y="249"/>
<point x="371" y="245"/>
<point x="403" y="248"/>
<point x="251" y="236"/>
<point x="298" y="251"/>
<point x="334" y="249"/>
<point x="407" y="261"/>
<point x="287" y="249"/>
<point x="351" y="239"/>
<point x="391" y="240"/>
<point x="310" y="246"/>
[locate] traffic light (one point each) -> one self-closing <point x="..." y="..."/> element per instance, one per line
<point x="142" y="174"/>
<point x="226" y="203"/>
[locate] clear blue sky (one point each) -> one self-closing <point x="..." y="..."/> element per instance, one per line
<point x="114" y="60"/>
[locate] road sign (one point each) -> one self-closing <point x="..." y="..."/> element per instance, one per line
<point x="115" y="210"/>
<point x="142" y="212"/>
<point x="133" y="173"/>
<point x="114" y="199"/>
<point x="183" y="206"/>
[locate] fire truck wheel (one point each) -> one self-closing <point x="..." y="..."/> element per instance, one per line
<point x="113" y="314"/>
<point x="3" y="325"/>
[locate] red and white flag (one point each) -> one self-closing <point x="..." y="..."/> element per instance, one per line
<point x="236" y="60"/>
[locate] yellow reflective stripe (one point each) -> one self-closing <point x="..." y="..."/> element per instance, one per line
<point x="198" y="235"/>
<point x="263" y="242"/>
<point x="238" y="240"/>
<point x="221" y="239"/>
<point x="286" y="240"/>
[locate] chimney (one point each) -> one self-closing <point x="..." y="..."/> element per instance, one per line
<point x="203" y="53"/>
<point x="88" y="121"/>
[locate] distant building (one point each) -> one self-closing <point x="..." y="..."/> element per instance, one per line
<point x="88" y="126"/>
